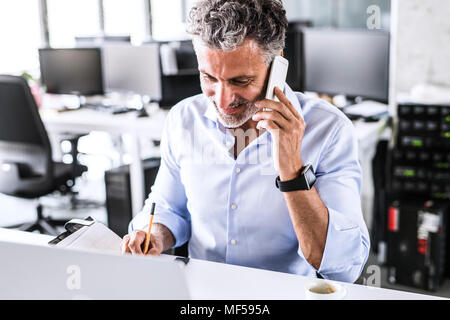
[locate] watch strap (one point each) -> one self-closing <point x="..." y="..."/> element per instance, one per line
<point x="299" y="183"/>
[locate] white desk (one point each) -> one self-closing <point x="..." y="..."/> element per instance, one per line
<point x="210" y="280"/>
<point x="85" y="121"/>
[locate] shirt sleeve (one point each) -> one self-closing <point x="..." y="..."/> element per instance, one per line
<point x="168" y="194"/>
<point x="338" y="182"/>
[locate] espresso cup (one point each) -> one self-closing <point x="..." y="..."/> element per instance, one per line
<point x="324" y="290"/>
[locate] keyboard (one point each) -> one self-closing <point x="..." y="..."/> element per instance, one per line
<point x="113" y="109"/>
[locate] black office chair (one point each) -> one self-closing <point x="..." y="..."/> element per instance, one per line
<point x="26" y="166"/>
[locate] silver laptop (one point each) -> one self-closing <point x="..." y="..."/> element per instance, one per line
<point x="41" y="272"/>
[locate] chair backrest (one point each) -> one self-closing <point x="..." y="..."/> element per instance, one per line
<point x="25" y="150"/>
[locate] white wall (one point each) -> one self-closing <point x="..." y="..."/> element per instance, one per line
<point x="422" y="46"/>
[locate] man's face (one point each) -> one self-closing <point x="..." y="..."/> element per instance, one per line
<point x="233" y="80"/>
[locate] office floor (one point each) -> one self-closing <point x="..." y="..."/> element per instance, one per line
<point x="16" y="211"/>
<point x="91" y="186"/>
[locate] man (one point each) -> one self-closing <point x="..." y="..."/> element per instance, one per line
<point x="223" y="150"/>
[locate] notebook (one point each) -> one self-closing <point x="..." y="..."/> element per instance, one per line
<point x="88" y="234"/>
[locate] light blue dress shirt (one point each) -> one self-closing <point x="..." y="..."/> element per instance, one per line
<point x="230" y="210"/>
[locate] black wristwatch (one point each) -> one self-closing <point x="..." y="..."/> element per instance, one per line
<point x="304" y="181"/>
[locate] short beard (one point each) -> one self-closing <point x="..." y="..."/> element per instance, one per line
<point x="233" y="121"/>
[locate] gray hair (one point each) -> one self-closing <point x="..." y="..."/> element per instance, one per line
<point x="226" y="24"/>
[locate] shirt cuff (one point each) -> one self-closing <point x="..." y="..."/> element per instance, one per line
<point x="346" y="249"/>
<point x="180" y="229"/>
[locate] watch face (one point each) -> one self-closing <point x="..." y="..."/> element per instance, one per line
<point x="310" y="177"/>
<point x="305" y="168"/>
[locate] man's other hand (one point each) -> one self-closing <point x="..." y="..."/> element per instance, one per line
<point x="134" y="243"/>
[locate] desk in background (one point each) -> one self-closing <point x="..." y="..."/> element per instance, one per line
<point x="218" y="281"/>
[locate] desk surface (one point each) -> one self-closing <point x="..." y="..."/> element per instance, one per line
<point x="86" y="120"/>
<point x="235" y="282"/>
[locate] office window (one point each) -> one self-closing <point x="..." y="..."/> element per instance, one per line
<point x="337" y="13"/>
<point x="19" y="36"/>
<point x="70" y="18"/>
<point x="126" y="17"/>
<point x="168" y="19"/>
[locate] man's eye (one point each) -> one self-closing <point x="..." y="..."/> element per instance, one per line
<point x="207" y="77"/>
<point x="241" y="82"/>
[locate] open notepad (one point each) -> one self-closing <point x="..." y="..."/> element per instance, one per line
<point x="88" y="235"/>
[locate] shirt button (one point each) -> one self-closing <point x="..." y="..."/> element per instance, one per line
<point x="229" y="143"/>
<point x="238" y="170"/>
<point x="233" y="242"/>
<point x="233" y="206"/>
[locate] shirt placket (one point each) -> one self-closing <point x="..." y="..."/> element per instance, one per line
<point x="236" y="245"/>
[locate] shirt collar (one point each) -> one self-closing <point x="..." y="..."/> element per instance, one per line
<point x="291" y="96"/>
<point x="210" y="112"/>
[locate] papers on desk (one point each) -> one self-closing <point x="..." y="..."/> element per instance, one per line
<point x="88" y="235"/>
<point x="367" y="109"/>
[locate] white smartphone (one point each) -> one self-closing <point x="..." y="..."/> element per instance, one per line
<point x="277" y="76"/>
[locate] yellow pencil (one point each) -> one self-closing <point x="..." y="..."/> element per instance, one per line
<point x="147" y="236"/>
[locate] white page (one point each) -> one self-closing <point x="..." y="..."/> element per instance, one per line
<point x="95" y="237"/>
<point x="66" y="242"/>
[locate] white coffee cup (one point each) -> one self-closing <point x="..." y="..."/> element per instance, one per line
<point x="325" y="290"/>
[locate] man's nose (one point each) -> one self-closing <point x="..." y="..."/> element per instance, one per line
<point x="224" y="95"/>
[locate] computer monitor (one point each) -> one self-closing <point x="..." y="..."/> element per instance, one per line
<point x="293" y="51"/>
<point x="183" y="83"/>
<point x="349" y="62"/>
<point x="72" y="71"/>
<point x="132" y="69"/>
